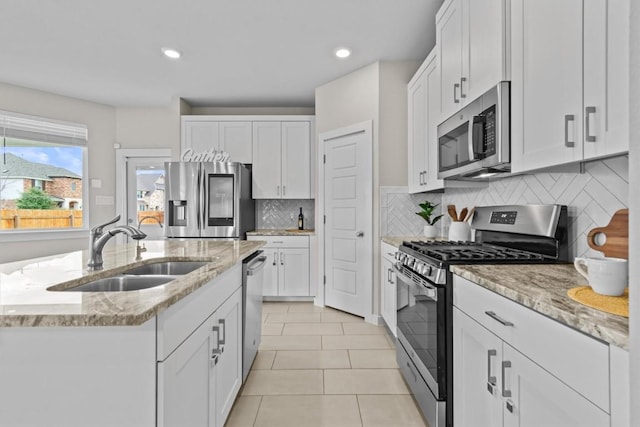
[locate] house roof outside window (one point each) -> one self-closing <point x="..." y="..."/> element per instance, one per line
<point x="19" y="168"/>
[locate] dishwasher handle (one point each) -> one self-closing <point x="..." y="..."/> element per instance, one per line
<point x="256" y="265"/>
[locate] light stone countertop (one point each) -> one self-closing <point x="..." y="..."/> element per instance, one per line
<point x="543" y="288"/>
<point x="282" y="232"/>
<point x="25" y="300"/>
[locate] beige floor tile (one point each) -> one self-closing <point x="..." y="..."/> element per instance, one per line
<point x="291" y="342"/>
<point x="309" y="411"/>
<point x="391" y="340"/>
<point x="312" y="329"/>
<point x="361" y="342"/>
<point x="339" y="316"/>
<point x="315" y="359"/>
<point x="244" y="411"/>
<point x="291" y="382"/>
<point x="304" y="307"/>
<point x="275" y="307"/>
<point x="363" y="381"/>
<point x="373" y="359"/>
<point x="264" y="359"/>
<point x="272" y="328"/>
<point x="363" y="329"/>
<point x="385" y="411"/>
<point x="293" y="318"/>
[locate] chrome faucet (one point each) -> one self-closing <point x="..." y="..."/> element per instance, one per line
<point x="97" y="240"/>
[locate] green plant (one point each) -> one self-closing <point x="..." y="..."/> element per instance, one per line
<point x="427" y="211"/>
<point x="34" y="198"/>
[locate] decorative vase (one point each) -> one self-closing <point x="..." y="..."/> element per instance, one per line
<point x="430" y="231"/>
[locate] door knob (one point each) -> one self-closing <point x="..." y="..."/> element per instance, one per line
<point x="359" y="233"/>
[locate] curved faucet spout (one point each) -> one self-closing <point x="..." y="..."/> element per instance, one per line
<point x="98" y="239"/>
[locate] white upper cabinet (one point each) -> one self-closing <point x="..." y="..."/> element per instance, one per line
<point x="202" y="133"/>
<point x="569" y="81"/>
<point x="282" y="160"/>
<point x="472" y="48"/>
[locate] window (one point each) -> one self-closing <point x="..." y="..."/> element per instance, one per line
<point x="42" y="170"/>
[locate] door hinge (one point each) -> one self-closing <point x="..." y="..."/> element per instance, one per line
<point x="324" y="158"/>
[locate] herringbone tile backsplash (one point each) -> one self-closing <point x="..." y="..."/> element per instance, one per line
<point x="592" y="198"/>
<point x="283" y="214"/>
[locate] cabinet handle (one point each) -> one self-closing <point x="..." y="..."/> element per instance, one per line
<point x="275" y="258"/>
<point x="568" y="118"/>
<point x="491" y="379"/>
<point x="284" y="190"/>
<point x="281" y="258"/>
<point x="588" y="111"/>
<point x="389" y="275"/>
<point x="462" y="80"/>
<point x="216" y="351"/>
<point x="497" y="318"/>
<point x="455" y="94"/>
<point x="506" y="364"/>
<point x="425" y="177"/>
<point x="278" y="190"/>
<point x="224" y="332"/>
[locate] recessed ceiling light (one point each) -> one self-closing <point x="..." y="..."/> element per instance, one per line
<point x="342" y="52"/>
<point x="171" y="53"/>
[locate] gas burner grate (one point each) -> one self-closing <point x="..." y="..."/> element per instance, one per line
<point x="450" y="251"/>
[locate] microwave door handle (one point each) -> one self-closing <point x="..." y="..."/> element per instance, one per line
<point x="476" y="140"/>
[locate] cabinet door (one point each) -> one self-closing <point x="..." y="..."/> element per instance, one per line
<point x="270" y="277"/>
<point x="484" y="62"/>
<point x="266" y="160"/>
<point x="540" y="399"/>
<point x="434" y="117"/>
<point x="229" y="367"/>
<point x="417" y="136"/>
<point x="546" y="83"/>
<point x="388" y="302"/>
<point x="476" y="373"/>
<point x="186" y="382"/>
<point x="449" y="40"/>
<point x="294" y="272"/>
<point x="296" y="160"/>
<point x="200" y="136"/>
<point x="235" y="139"/>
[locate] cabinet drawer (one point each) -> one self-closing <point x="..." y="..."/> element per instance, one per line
<point x="388" y="252"/>
<point x="283" y="241"/>
<point x="579" y="361"/>
<point x="178" y="322"/>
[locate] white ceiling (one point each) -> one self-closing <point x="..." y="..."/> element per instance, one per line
<point x="236" y="53"/>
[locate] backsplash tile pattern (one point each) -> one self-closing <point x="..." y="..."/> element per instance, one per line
<point x="283" y="214"/>
<point x="592" y="197"/>
<point x="398" y="208"/>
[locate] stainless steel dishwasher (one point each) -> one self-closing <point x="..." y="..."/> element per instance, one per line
<point x="252" y="273"/>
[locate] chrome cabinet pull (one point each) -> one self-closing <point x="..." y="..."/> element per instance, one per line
<point x="278" y="189"/>
<point x="391" y="277"/>
<point x="505" y="393"/>
<point x="497" y="318"/>
<point x="281" y="258"/>
<point x="491" y="379"/>
<point x="568" y="118"/>
<point x="224" y="332"/>
<point x="425" y="177"/>
<point x="275" y="258"/>
<point x="455" y="95"/>
<point x="462" y="80"/>
<point x="284" y="190"/>
<point x="588" y="111"/>
<point x="215" y="351"/>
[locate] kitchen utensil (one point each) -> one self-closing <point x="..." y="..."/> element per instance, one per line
<point x="607" y="276"/>
<point x="469" y="216"/>
<point x="451" y="209"/>
<point x="463" y="214"/>
<point x="616" y="234"/>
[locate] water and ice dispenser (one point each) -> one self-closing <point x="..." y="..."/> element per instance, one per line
<point x="178" y="213"/>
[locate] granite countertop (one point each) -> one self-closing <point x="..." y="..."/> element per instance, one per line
<point x="282" y="232"/>
<point x="25" y="300"/>
<point x="543" y="288"/>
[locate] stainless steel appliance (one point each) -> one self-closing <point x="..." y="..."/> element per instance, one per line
<point x="474" y="143"/>
<point x="208" y="199"/>
<point x="503" y="234"/>
<point x="252" y="279"/>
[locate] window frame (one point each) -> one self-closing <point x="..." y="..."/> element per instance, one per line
<point x="28" y="235"/>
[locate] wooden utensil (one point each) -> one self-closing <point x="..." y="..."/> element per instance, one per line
<point x="470" y="214"/>
<point x="451" y="209"/>
<point x="463" y="214"/>
<point x="617" y="235"/>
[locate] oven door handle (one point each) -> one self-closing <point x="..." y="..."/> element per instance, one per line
<point x="423" y="288"/>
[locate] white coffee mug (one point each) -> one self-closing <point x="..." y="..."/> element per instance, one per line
<point x="459" y="230"/>
<point x="606" y="276"/>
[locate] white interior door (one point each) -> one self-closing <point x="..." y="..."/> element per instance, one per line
<point x="145" y="194"/>
<point x="348" y="208"/>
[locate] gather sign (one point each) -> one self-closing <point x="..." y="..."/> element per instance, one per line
<point x="210" y="155"/>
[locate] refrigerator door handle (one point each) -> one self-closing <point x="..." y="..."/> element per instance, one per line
<point x="198" y="197"/>
<point x="203" y="199"/>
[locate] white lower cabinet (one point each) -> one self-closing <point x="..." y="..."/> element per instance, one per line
<point x="388" y="289"/>
<point x="286" y="273"/>
<point x="515" y="367"/>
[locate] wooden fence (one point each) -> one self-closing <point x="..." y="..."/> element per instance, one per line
<point x="40" y="218"/>
<point x="159" y="215"/>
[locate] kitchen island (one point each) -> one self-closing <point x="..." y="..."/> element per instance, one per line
<point x="161" y="356"/>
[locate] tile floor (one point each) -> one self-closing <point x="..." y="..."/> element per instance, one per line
<point x="322" y="367"/>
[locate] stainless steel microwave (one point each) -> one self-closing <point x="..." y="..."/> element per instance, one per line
<point x="475" y="142"/>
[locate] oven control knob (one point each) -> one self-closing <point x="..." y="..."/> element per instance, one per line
<point x="420" y="267"/>
<point x="427" y="270"/>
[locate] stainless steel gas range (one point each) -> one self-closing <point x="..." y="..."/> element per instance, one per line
<point x="503" y="234"/>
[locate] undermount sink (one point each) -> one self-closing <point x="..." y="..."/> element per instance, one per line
<point x="122" y="283"/>
<point x="169" y="268"/>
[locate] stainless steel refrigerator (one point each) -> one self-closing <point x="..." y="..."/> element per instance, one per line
<point x="208" y="199"/>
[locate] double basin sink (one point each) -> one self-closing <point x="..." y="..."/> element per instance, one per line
<point x="137" y="278"/>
